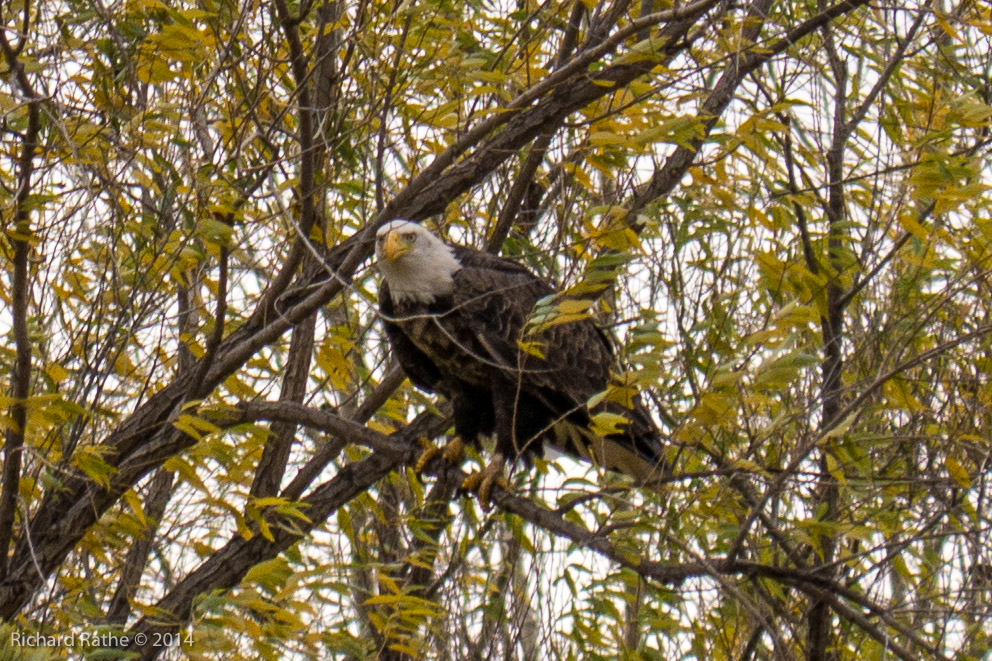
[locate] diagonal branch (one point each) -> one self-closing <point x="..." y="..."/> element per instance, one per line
<point x="228" y="566"/>
<point x="666" y="178"/>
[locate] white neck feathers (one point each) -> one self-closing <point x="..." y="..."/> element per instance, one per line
<point x="424" y="274"/>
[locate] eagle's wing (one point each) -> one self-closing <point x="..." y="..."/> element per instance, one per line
<point x="494" y="297"/>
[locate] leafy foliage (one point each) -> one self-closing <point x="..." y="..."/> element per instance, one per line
<point x="780" y="210"/>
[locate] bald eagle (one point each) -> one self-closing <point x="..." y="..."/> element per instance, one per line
<point x="455" y="319"/>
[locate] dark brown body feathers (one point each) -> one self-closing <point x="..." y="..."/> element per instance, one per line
<point x="465" y="346"/>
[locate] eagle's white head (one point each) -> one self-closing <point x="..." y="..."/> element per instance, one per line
<point x="418" y="266"/>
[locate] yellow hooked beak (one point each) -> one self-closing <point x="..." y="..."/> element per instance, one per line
<point x="396" y="246"/>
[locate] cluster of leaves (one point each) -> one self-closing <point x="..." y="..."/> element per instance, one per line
<point x="780" y="209"/>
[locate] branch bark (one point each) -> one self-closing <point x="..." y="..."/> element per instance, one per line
<point x="228" y="566"/>
<point x="20" y="238"/>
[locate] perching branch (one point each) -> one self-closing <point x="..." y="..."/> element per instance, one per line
<point x="228" y="566"/>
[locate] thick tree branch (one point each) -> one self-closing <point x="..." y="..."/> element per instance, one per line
<point x="275" y="454"/>
<point x="20" y="237"/>
<point x="159" y="492"/>
<point x="228" y="566"/>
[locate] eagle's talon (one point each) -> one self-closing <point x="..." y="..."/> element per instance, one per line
<point x="453" y="453"/>
<point x="427" y="456"/>
<point x="483" y="482"/>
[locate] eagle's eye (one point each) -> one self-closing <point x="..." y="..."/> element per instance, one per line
<point x="411" y="236"/>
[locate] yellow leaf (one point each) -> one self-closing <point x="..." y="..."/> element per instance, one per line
<point x="573" y="306"/>
<point x="946" y="26"/>
<point x="268" y="572"/>
<point x="243" y="528"/>
<point x="910" y="224"/>
<point x="532" y="348"/>
<point x="154" y="71"/>
<point x="834" y="468"/>
<point x="405" y="649"/>
<point x="899" y="564"/>
<point x="607" y="424"/>
<point x="267" y="502"/>
<point x="580" y="175"/>
<point x="448" y="120"/>
<point x="898" y="395"/>
<point x="89" y="459"/>
<point x="57" y="373"/>
<point x="606" y="138"/>
<point x="957" y="472"/>
<point x="215" y="231"/>
<point x="383" y="599"/>
<point x="135" y="504"/>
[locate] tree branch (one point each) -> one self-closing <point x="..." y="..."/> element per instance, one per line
<point x="228" y="566"/>
<point x="20" y="237"/>
<point x="665" y="179"/>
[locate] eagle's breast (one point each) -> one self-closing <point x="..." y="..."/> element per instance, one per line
<point x="432" y="330"/>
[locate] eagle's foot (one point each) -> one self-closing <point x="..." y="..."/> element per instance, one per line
<point x="482" y="482"/>
<point x="452" y="453"/>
